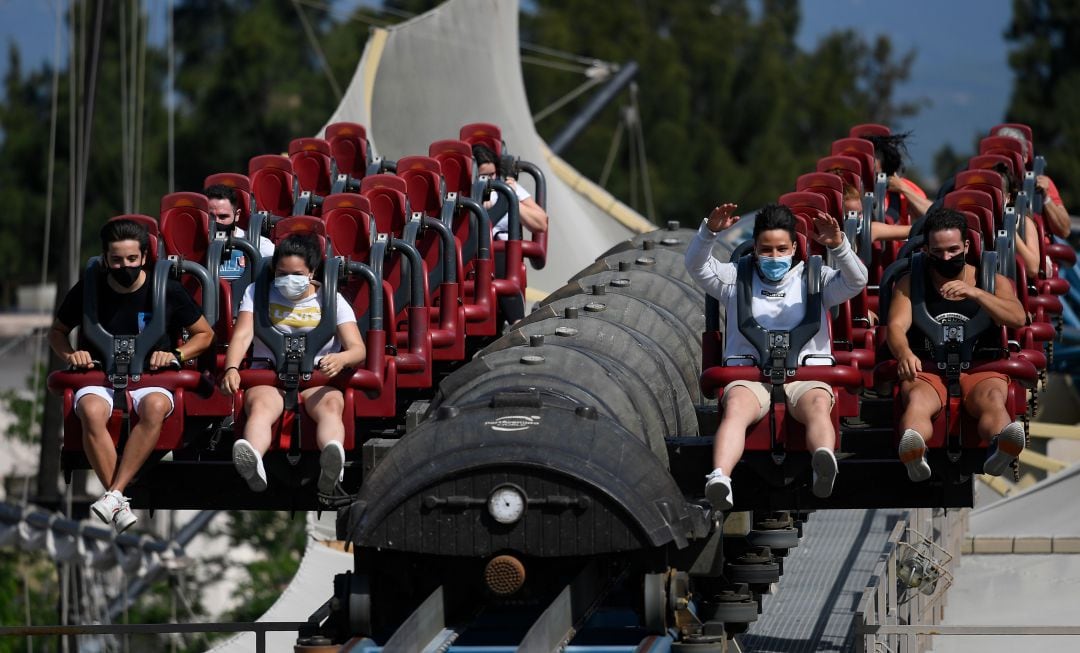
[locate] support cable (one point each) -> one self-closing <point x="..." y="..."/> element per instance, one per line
<point x="566" y="99"/>
<point x="323" y="63"/>
<point x="643" y="160"/>
<point x="613" y="151"/>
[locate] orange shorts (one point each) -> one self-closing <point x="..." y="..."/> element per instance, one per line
<point x="967" y="382"/>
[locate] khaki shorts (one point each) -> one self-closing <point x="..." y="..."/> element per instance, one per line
<point x="793" y="392"/>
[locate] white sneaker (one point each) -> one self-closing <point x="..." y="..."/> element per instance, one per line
<point x="249" y="465"/>
<point x="124" y="518"/>
<point x="1004" y="448"/>
<point x="912" y="452"/>
<point x="106" y="507"/>
<point x="718" y="491"/>
<point x="824" y="465"/>
<point x="332" y="466"/>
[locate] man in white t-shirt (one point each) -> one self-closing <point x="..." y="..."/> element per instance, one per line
<point x="777" y="304"/>
<point x="224" y="208"/>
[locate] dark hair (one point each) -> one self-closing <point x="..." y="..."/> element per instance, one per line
<point x="115" y="231"/>
<point x="774" y="216"/>
<point x="890" y="150"/>
<point x="940" y="218"/>
<point x="306" y="246"/>
<point x="221" y="192"/>
<point x="1011" y="183"/>
<point x="484" y="154"/>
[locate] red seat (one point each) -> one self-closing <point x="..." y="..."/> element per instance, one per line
<point x="860" y="149"/>
<point x="869" y="129"/>
<point x="1025" y="130"/>
<point x="273" y="183"/>
<point x="1005" y="146"/>
<point x="992" y="161"/>
<point x="828" y="185"/>
<point x="349" y="147"/>
<point x="483" y="133"/>
<point x="310" y="159"/>
<point x="988" y="181"/>
<point x="848" y="167"/>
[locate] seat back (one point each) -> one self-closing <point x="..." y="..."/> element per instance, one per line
<point x="848" y="167"/>
<point x="976" y="203"/>
<point x="869" y="129"/>
<point x="310" y="158"/>
<point x="455" y="160"/>
<point x="992" y="161"/>
<point x="185" y="225"/>
<point x="1005" y="146"/>
<point x="860" y="149"/>
<point x="245" y="201"/>
<point x="389" y="203"/>
<point x="1025" y="130"/>
<point x="349" y="148"/>
<point x="349" y="225"/>
<point x="830" y="186"/>
<point x="273" y="183"/>
<point x="424" y="184"/>
<point x="483" y="133"/>
<point x="988" y="181"/>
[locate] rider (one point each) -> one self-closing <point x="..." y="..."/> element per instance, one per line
<point x="777" y="304"/>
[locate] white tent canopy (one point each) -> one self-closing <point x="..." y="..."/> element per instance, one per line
<point x="420" y="81"/>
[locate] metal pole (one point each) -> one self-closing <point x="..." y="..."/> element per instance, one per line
<point x="596" y="104"/>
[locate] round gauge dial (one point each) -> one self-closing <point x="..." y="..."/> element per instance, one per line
<point x="506" y="504"/>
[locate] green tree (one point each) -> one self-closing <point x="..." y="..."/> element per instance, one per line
<point x="731" y="107"/>
<point x="1046" y="90"/>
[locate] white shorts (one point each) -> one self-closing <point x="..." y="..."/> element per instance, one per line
<point x="135" y="396"/>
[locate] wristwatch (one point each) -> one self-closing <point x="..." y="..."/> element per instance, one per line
<point x="179" y="356"/>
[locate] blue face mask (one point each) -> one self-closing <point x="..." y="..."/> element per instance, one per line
<point x="774" y="268"/>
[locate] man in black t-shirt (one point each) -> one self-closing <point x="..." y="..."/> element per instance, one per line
<point x="950" y="290"/>
<point x="125" y="307"/>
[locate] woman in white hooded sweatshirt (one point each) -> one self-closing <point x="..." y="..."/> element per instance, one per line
<point x="777" y="304"/>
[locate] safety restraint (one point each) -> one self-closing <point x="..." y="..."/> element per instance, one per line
<point x="296" y="352"/>
<point x="953" y="338"/>
<point x="124" y="355"/>
<point x="778" y="351"/>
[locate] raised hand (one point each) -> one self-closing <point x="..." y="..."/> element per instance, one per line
<point x="827" y="230"/>
<point x="722" y="217"/>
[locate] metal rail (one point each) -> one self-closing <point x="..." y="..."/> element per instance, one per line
<point x="260" y="628"/>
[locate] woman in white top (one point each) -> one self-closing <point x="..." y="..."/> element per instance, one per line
<point x="777" y="304"/>
<point x="294" y="308"/>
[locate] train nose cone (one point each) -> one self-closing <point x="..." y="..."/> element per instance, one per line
<point x="504" y="575"/>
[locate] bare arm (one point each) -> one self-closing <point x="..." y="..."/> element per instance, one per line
<point x="899" y="324"/>
<point x="884" y="231"/>
<point x="243" y="333"/>
<point x="1004" y="308"/>
<point x="1056" y="215"/>
<point x="533" y="216"/>
<point x="918" y="204"/>
<point x="352" y="354"/>
<point x="58" y="340"/>
<point x="1028" y="249"/>
<point x="200" y="335"/>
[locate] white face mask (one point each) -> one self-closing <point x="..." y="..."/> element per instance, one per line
<point x="292" y="286"/>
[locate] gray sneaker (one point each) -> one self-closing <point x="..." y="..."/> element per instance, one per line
<point x="1004" y="448"/>
<point x="912" y="452"/>
<point x="249" y="465"/>
<point x="331" y="467"/>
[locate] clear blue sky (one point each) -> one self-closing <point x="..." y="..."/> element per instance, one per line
<point x="960" y="65"/>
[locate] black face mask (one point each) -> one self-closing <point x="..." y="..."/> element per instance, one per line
<point x="948" y="268"/>
<point x="125" y="276"/>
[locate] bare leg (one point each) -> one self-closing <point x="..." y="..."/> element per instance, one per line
<point x="814" y="409"/>
<point x="143" y="438"/>
<point x="741" y="410"/>
<point x="986" y="402"/>
<point x="263" y="405"/>
<point x="94" y="413"/>
<point x="324" y="405"/>
<point x="921" y="403"/>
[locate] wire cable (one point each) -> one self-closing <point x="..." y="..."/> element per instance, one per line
<point x="323" y="63"/>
